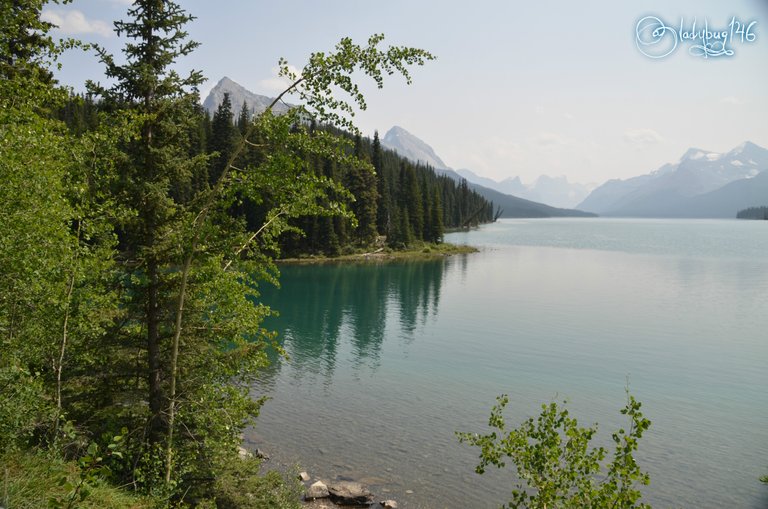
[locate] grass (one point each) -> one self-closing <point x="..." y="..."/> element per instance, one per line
<point x="29" y="480"/>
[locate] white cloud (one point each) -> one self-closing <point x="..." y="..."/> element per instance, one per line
<point x="640" y="138"/>
<point x="73" y="22"/>
<point x="276" y="84"/>
<point x="733" y="101"/>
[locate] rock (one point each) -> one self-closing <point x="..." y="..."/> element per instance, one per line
<point x="243" y="453"/>
<point x="409" y="492"/>
<point x="317" y="490"/>
<point x="350" y="493"/>
<point x="389" y="504"/>
<point x="262" y="455"/>
<point x="304" y="476"/>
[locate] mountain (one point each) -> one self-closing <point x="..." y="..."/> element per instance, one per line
<point x="413" y="148"/>
<point x="728" y="200"/>
<point x="512" y="206"/>
<point x="507" y="186"/>
<point x="237" y="96"/>
<point x="691" y="187"/>
<point x="555" y="191"/>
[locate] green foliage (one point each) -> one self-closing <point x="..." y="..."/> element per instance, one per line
<point x="239" y="485"/>
<point x="33" y="479"/>
<point x="556" y="465"/>
<point x="55" y="237"/>
<point x="22" y="407"/>
<point x="410" y="203"/>
<point x="133" y="244"/>
<point x="326" y="73"/>
<point x="93" y="470"/>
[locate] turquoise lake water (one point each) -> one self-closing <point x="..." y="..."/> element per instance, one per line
<point x="387" y="361"/>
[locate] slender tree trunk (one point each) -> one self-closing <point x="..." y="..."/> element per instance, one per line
<point x="59" y="366"/>
<point x="153" y="354"/>
<point x="175" y="363"/>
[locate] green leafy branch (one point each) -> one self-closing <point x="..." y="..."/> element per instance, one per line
<point x="556" y="465"/>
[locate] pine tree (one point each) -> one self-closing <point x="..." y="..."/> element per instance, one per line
<point x="384" y="200"/>
<point x="157" y="165"/>
<point x="244" y="119"/>
<point x="361" y="182"/>
<point x="413" y="201"/>
<point x="436" y="219"/>
<point x="223" y="139"/>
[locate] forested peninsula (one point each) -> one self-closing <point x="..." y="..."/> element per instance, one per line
<point x="394" y="202"/>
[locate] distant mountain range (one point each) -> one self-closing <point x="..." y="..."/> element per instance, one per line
<point x="555" y="191"/>
<point x="701" y="184"/>
<point x="237" y="96"/>
<point x="411" y="147"/>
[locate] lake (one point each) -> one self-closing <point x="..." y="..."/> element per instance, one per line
<point x="388" y="361"/>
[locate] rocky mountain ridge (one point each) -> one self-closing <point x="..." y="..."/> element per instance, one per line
<point x="697" y="185"/>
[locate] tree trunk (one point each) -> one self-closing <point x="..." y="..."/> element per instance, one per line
<point x="153" y="354"/>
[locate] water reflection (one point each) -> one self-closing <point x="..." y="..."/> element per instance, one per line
<point x="348" y="307"/>
<point x="388" y="361"/>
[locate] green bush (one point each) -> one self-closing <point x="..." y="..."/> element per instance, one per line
<point x="557" y="467"/>
<point x="240" y="486"/>
<point x="23" y="407"/>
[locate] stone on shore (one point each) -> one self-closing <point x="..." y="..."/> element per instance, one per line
<point x="350" y="493"/>
<point x="389" y="504"/>
<point x="317" y="490"/>
<point x="304" y="476"/>
<point x="243" y="453"/>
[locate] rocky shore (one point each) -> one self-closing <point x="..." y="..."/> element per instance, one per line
<point x="422" y="251"/>
<point x="322" y="495"/>
<point x="331" y="494"/>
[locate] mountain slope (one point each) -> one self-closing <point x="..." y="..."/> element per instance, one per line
<point x="512" y="206"/>
<point x="237" y="96"/>
<point x="669" y="191"/>
<point x="413" y="148"/>
<point x="726" y="201"/>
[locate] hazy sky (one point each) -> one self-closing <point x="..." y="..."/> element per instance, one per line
<point x="519" y="88"/>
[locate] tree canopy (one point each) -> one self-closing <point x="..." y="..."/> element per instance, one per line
<point x="134" y="237"/>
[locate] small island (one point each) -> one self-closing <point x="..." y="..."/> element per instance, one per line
<point x="753" y="213"/>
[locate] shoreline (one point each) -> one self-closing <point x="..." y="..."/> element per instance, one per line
<point x="414" y="253"/>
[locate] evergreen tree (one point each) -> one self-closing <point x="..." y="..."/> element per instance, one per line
<point x="243" y="119"/>
<point x="223" y="139"/>
<point x="157" y="165"/>
<point x="384" y="201"/>
<point x="412" y="200"/>
<point x="436" y="217"/>
<point x="361" y="182"/>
